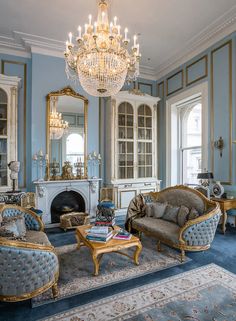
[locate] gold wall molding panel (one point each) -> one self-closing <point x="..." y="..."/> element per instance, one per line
<point x="205" y="59"/>
<point x="213" y="138"/>
<point x="181" y="72"/>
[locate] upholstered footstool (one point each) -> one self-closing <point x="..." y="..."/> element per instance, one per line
<point x="73" y="219"/>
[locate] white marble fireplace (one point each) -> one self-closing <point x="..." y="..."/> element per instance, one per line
<point x="46" y="191"/>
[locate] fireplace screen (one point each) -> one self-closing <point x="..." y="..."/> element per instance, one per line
<point x="66" y="202"/>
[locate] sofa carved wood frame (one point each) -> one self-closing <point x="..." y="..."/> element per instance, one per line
<point x="21" y="245"/>
<point x="182" y="245"/>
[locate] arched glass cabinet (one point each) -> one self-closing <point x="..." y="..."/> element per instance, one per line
<point x="131" y="146"/>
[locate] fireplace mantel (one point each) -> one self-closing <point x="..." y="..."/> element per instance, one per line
<point x="46" y="191"/>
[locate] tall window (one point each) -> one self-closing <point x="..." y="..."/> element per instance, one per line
<point x="190" y="142"/>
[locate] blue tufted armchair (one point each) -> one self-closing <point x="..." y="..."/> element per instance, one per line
<point x="27" y="268"/>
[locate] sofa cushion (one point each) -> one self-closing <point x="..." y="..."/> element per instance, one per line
<point x="171" y="213"/>
<point x="158" y="227"/>
<point x="182" y="216"/>
<point x="9" y="229"/>
<point x="21" y="227"/>
<point x="155" y="209"/>
<point x="37" y="237"/>
<point x="193" y="214"/>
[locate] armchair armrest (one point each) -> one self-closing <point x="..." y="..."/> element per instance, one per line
<point x="200" y="231"/>
<point x="32" y="220"/>
<point x="30" y="267"/>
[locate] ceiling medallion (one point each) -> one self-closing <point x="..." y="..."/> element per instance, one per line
<point x="100" y="58"/>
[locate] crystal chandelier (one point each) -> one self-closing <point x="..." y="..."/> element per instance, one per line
<point x="56" y="124"/>
<point x="100" y="58"/>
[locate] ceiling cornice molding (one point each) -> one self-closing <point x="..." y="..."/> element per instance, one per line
<point x="23" y="44"/>
<point x="216" y="31"/>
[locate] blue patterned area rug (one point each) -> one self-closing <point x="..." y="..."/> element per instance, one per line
<point x="204" y="294"/>
<point x="76" y="268"/>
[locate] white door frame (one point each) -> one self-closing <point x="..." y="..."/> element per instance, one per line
<point x="172" y="129"/>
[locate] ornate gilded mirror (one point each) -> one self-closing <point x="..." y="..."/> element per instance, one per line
<point x="66" y="135"/>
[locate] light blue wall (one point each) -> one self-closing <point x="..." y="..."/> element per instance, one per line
<point x="43" y="75"/>
<point x="219" y="62"/>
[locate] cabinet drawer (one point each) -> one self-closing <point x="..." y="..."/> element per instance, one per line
<point x="126" y="197"/>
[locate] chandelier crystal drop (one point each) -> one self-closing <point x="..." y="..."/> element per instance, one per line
<point x="100" y="58"/>
<point x="56" y="124"/>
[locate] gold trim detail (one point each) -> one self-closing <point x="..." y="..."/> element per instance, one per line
<point x="3" y="62"/>
<point x="67" y="91"/>
<point x="229" y="44"/>
<point x="163" y="89"/>
<point x="145" y="84"/>
<point x="172" y="76"/>
<point x="205" y="58"/>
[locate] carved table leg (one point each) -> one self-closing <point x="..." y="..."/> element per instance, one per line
<point x="79" y="242"/>
<point x="137" y="252"/>
<point x="224" y="220"/>
<point x="96" y="263"/>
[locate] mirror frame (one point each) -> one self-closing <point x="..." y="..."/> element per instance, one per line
<point x="67" y="91"/>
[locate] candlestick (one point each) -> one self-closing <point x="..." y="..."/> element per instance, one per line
<point x="79" y="30"/>
<point x="126" y="33"/>
<point x="70" y="38"/>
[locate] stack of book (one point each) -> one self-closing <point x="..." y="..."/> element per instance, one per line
<point x="100" y="234"/>
<point x="122" y="235"/>
<point x="100" y="221"/>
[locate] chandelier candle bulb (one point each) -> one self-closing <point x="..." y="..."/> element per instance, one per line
<point x="118" y="28"/>
<point x="135" y="38"/>
<point x="126" y="33"/>
<point x="90" y="19"/>
<point x="70" y="38"/>
<point x="79" y="30"/>
<point x="115" y="21"/>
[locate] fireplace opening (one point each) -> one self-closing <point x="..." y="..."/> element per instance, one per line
<point x="66" y="202"/>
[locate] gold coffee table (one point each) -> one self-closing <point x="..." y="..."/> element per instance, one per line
<point x="98" y="249"/>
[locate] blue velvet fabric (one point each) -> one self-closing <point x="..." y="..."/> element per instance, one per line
<point x="202" y="233"/>
<point x="25" y="270"/>
<point x="30" y="222"/>
<point x="37" y="211"/>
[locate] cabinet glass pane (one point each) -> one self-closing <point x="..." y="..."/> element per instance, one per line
<point x="141" y="121"/>
<point x="149" y="171"/>
<point x="148" y="111"/>
<point x="129" y="109"/>
<point x="148" y="122"/>
<point x="148" y="148"/>
<point x="130" y="160"/>
<point x="141" y="171"/>
<point x="121" y="132"/>
<point x="130" y="172"/>
<point x="129" y="120"/>
<point x="122" y="160"/>
<point x="148" y="159"/>
<point x="122" y="172"/>
<point x="130" y="147"/>
<point x="121" y="120"/>
<point x="148" y="134"/>
<point x="122" y="148"/>
<point x="3" y="96"/>
<point x="130" y="133"/>
<point x="141" y="133"/>
<point x="141" y="160"/>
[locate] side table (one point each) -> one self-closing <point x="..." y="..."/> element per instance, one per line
<point x="225" y="205"/>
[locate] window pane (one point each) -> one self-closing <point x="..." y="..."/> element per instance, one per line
<point x="141" y="110"/>
<point x="121" y="120"/>
<point x="148" y="134"/>
<point x="141" y="133"/>
<point x="130" y="160"/>
<point x="121" y="109"/>
<point x="192" y="126"/>
<point x="148" y="111"/>
<point x="141" y="148"/>
<point x="148" y="148"/>
<point x="141" y="121"/>
<point x="130" y="147"/>
<point x="121" y="172"/>
<point x="149" y="171"/>
<point x="141" y="171"/>
<point x="129" y="120"/>
<point x="121" y="132"/>
<point x="130" y="172"/>
<point x="130" y="133"/>
<point x="191" y="165"/>
<point x="141" y="160"/>
<point x="129" y="109"/>
<point x="122" y="149"/>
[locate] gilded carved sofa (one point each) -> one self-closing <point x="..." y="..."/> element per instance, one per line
<point x="27" y="267"/>
<point x="193" y="234"/>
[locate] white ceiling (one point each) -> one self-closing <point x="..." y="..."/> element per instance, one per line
<point x="168" y="28"/>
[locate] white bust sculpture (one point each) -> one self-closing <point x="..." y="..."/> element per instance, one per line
<point x="14" y="167"/>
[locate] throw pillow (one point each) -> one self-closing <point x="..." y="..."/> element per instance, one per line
<point x="193" y="214"/>
<point x="21" y="227"/>
<point x="182" y="216"/>
<point x="171" y="213"/>
<point x="158" y="209"/>
<point x="9" y="229"/>
<point x="155" y="209"/>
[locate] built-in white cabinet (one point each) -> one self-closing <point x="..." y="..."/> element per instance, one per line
<point x="131" y="146"/>
<point x="8" y="127"/>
